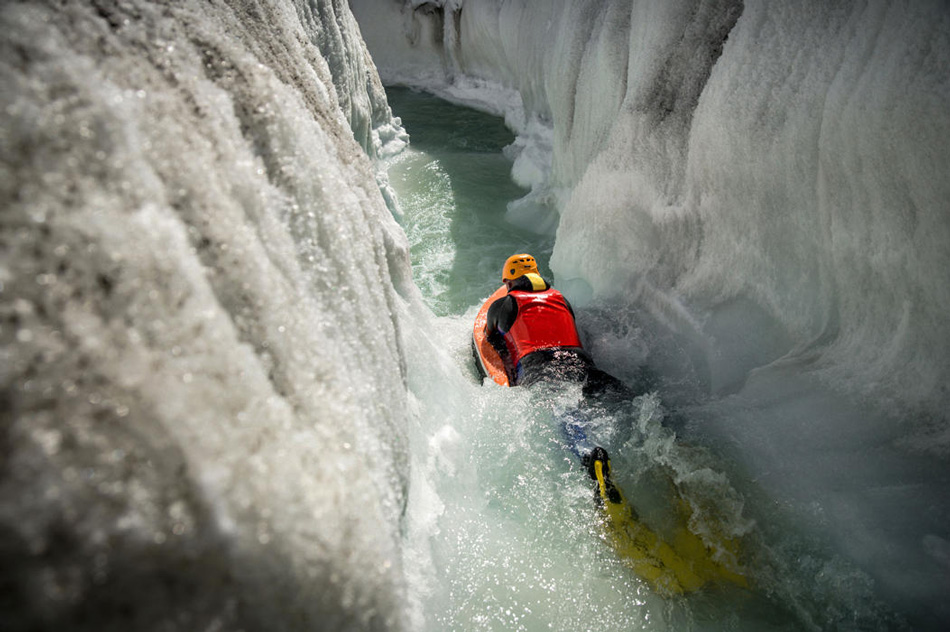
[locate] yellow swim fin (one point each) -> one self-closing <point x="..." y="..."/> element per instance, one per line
<point x="692" y="547"/>
<point x="686" y="566"/>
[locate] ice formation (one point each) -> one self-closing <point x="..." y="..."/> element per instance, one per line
<point x="203" y="384"/>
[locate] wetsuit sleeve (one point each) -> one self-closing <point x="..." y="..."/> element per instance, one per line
<point x="501" y="315"/>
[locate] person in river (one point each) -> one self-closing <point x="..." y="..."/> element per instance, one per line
<point x="534" y="332"/>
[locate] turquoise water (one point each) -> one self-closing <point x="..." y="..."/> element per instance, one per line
<point x="506" y="535"/>
<point x="453" y="185"/>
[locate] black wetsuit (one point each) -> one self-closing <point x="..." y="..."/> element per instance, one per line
<point x="561" y="364"/>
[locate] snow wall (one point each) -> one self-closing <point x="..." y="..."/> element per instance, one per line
<point x="203" y="393"/>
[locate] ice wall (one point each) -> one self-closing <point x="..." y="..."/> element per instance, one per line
<point x="714" y="158"/>
<point x="202" y="296"/>
<point x="810" y="190"/>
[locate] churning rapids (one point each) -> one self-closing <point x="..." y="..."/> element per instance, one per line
<point x="235" y="301"/>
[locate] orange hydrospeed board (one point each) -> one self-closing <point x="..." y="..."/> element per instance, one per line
<point x="487" y="359"/>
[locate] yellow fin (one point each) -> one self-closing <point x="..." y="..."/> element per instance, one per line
<point x="685" y="565"/>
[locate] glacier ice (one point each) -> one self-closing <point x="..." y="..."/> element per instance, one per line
<point x="202" y="296"/>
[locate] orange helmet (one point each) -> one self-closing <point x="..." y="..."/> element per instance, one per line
<point x="518" y="265"/>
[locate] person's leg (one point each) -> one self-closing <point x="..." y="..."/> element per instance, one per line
<point x="603" y="386"/>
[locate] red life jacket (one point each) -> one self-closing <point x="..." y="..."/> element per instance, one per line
<point x="543" y="322"/>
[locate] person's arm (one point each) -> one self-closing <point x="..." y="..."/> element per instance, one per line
<point x="501" y="315"/>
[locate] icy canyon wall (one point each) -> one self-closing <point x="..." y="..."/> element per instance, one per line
<point x="202" y="382"/>
<point x="767" y="179"/>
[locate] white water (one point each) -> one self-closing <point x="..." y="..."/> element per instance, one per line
<point x="224" y="404"/>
